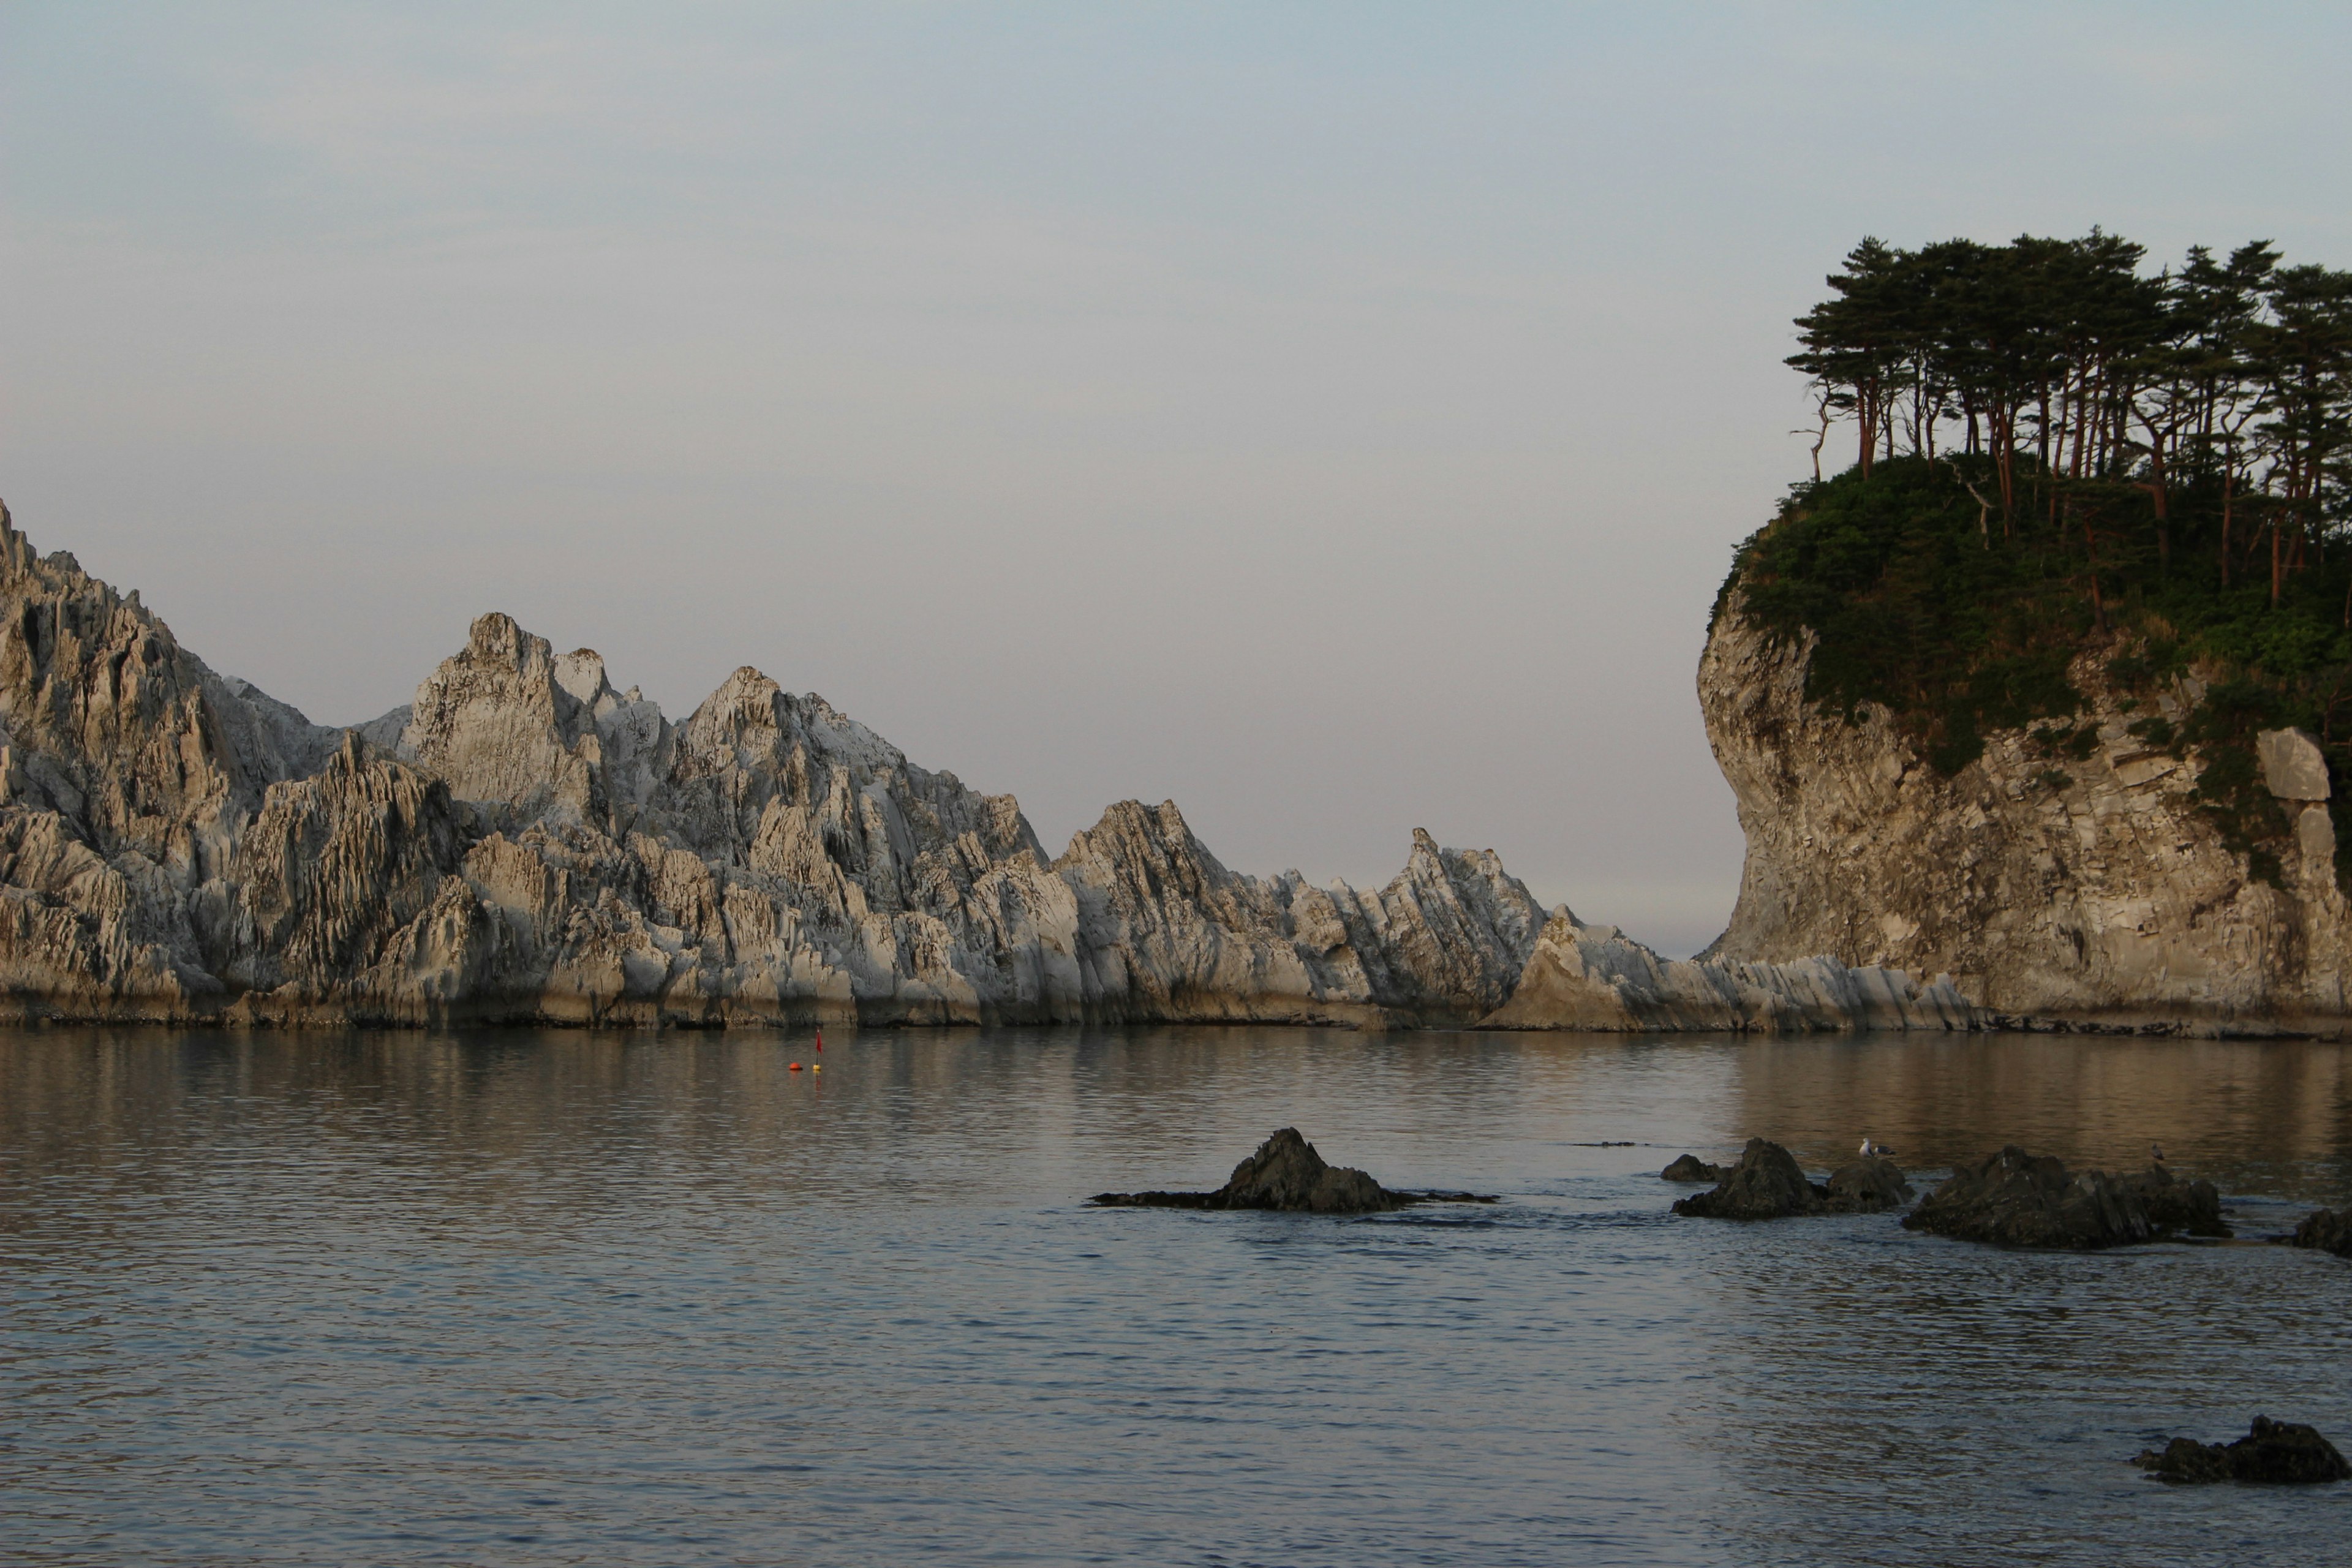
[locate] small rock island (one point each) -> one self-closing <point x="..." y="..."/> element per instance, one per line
<point x="1286" y="1175"/>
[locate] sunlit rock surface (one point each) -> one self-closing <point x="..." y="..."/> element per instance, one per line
<point x="524" y="841"/>
<point x="2050" y="891"/>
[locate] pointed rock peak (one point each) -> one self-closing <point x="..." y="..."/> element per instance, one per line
<point x="496" y="638"/>
<point x="581" y="673"/>
<point x="745" y="689"/>
<point x="493" y="633"/>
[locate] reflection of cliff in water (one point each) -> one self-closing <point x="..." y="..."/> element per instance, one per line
<point x="2268" y="1116"/>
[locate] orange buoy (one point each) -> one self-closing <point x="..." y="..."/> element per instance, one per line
<point x="796" y="1068"/>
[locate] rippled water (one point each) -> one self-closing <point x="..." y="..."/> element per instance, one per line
<point x="527" y="1299"/>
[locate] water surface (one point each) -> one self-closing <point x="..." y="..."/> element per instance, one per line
<point x="537" y="1298"/>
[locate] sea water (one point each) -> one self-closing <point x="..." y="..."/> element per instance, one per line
<point x="523" y="1298"/>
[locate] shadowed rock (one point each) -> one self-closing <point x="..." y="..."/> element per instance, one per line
<point x="1286" y="1174"/>
<point x="2190" y="1208"/>
<point x="1767" y="1184"/>
<point x="2279" y="1453"/>
<point x="1869" y="1186"/>
<point x="1691" y="1168"/>
<point x="2017" y="1199"/>
<point x="2326" y="1231"/>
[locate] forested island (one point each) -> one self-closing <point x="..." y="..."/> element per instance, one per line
<point x="2058" y="449"/>
<point x="2047" y="689"/>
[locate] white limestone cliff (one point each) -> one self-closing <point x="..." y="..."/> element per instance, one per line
<point x="524" y="842"/>
<point x="2052" y="890"/>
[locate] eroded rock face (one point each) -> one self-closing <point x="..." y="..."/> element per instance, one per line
<point x="2050" y="891"/>
<point x="2275" y="1453"/>
<point x="2017" y="1199"/>
<point x="524" y="841"/>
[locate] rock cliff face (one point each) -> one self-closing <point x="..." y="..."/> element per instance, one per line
<point x="525" y="842"/>
<point x="2082" y="892"/>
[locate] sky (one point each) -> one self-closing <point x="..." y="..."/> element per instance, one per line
<point x="1335" y="418"/>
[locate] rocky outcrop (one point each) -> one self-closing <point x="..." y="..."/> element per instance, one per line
<point x="1593" y="977"/>
<point x="1288" y="1175"/>
<point x="2275" y="1453"/>
<point x="1868" y="1185"/>
<point x="2017" y="1199"/>
<point x="2079" y="887"/>
<point x="2191" y="1207"/>
<point x="2324" y="1230"/>
<point x="524" y="841"/>
<point x="1768" y="1184"/>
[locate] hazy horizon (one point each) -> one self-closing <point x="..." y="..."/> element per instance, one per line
<point x="1337" y="420"/>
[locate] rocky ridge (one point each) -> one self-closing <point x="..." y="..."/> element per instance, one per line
<point x="526" y="842"/>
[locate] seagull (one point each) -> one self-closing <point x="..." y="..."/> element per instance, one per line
<point x="2157" y="1149"/>
<point x="1871" y="1151"/>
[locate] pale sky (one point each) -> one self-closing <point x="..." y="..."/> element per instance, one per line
<point x="1337" y="419"/>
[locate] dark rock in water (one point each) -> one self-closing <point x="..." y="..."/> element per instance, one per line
<point x="1691" y="1168"/>
<point x="1287" y="1173"/>
<point x="1767" y="1184"/>
<point x="2190" y="1208"/>
<point x="2280" y="1453"/>
<point x="2017" y="1199"/>
<point x="2327" y="1231"/>
<point x="1868" y="1185"/>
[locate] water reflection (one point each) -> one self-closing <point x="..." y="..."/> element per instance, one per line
<point x="566" y="1297"/>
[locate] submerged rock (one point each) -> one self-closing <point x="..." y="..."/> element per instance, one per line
<point x="2017" y="1199"/>
<point x="2326" y="1231"/>
<point x="1286" y="1174"/>
<point x="2190" y="1208"/>
<point x="2279" y="1453"/>
<point x="1691" y="1168"/>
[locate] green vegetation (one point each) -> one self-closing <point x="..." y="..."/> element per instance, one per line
<point x="2058" y="453"/>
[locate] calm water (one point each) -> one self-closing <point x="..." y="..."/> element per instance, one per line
<point x="526" y="1299"/>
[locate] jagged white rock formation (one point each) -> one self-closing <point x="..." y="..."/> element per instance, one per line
<point x="1594" y="977"/>
<point x="2085" y="893"/>
<point x="525" y="842"/>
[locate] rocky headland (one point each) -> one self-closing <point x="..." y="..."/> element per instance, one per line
<point x="528" y="842"/>
<point x="2084" y="887"/>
